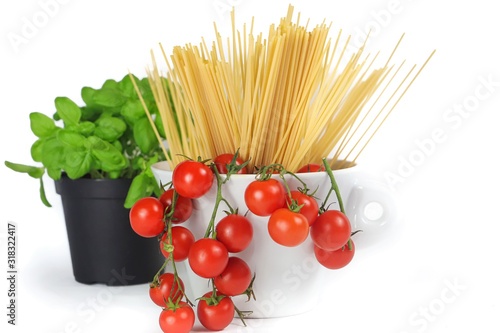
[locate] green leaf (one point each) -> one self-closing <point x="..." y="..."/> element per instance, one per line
<point x="132" y="111"/>
<point x="118" y="145"/>
<point x="43" y="197"/>
<point x="32" y="171"/>
<point x="110" y="128"/>
<point x="110" y="158"/>
<point x="54" y="173"/>
<point x="69" y="112"/>
<point x="144" y="135"/>
<point x="110" y="84"/>
<point x="145" y="89"/>
<point x="41" y="125"/>
<point x="71" y="139"/>
<point x="114" y="174"/>
<point x="88" y="95"/>
<point x="141" y="187"/>
<point x="91" y="113"/>
<point x="127" y="87"/>
<point x="159" y="125"/>
<point x="78" y="163"/>
<point x="86" y="128"/>
<point x="53" y="153"/>
<point x="109" y="97"/>
<point x="36" y="150"/>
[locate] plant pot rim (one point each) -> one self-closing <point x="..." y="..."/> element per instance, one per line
<point x="101" y="188"/>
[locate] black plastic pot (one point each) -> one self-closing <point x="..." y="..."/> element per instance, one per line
<point x="103" y="246"/>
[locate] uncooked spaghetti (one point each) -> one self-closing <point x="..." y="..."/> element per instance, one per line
<point x="291" y="98"/>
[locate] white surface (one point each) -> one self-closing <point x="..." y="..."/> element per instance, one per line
<point x="438" y="274"/>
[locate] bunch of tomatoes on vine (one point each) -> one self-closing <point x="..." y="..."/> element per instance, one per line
<point x="293" y="216"/>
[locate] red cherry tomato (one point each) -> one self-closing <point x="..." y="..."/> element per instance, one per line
<point x="263" y="197"/>
<point x="335" y="259"/>
<point x="222" y="161"/>
<point x="288" y="228"/>
<point x="235" y="279"/>
<point x="146" y="217"/>
<point x="309" y="205"/>
<point x="331" y="230"/>
<point x="215" y="317"/>
<point x="178" y="320"/>
<point x="208" y="257"/>
<point x="235" y="232"/>
<point x="167" y="288"/>
<point x="182" y="239"/>
<point x="311" y="167"/>
<point x="192" y="179"/>
<point x="183" y="206"/>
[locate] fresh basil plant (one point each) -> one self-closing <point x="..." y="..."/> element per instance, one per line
<point x="109" y="137"/>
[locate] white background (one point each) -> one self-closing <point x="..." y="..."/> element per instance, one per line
<point x="449" y="233"/>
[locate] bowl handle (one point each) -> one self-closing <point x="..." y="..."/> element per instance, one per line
<point x="372" y="208"/>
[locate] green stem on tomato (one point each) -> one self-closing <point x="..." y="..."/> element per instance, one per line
<point x="160" y="271"/>
<point x="304" y="188"/>
<point x="334" y="187"/>
<point x="168" y="221"/>
<point x="242" y="314"/>
<point x="211" y="225"/>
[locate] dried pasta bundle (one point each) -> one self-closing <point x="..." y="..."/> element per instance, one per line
<point x="291" y="98"/>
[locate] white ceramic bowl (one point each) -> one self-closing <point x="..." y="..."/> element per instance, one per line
<point x="288" y="280"/>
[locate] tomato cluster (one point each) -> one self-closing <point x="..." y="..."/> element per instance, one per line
<point x="209" y="257"/>
<point x="294" y="215"/>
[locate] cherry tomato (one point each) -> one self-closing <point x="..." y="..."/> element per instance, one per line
<point x="235" y="232"/>
<point x="311" y="167"/>
<point x="166" y="288"/>
<point x="331" y="230"/>
<point x="178" y="320"/>
<point x="182" y="239"/>
<point x="309" y="205"/>
<point x="146" y="217"/>
<point x="223" y="160"/>
<point x="235" y="279"/>
<point x="183" y="206"/>
<point x="215" y="317"/>
<point x="335" y="259"/>
<point x="208" y="257"/>
<point x="263" y="197"/>
<point x="192" y="179"/>
<point x="288" y="228"/>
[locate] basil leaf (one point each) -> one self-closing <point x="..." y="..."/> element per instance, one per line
<point x="41" y="125"/>
<point x="91" y="113"/>
<point x="32" y="171"/>
<point x="145" y="89"/>
<point x="110" y="158"/>
<point x="88" y="95"/>
<point x="109" y="97"/>
<point x="69" y="112"/>
<point x="127" y="87"/>
<point x="71" y="139"/>
<point x="54" y="173"/>
<point x="110" y="128"/>
<point x="133" y="111"/>
<point x="43" y="197"/>
<point x="86" y="128"/>
<point x="36" y="150"/>
<point x="78" y="163"/>
<point x="110" y="84"/>
<point x="159" y="125"/>
<point x="144" y="135"/>
<point x="141" y="187"/>
<point x="53" y="152"/>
